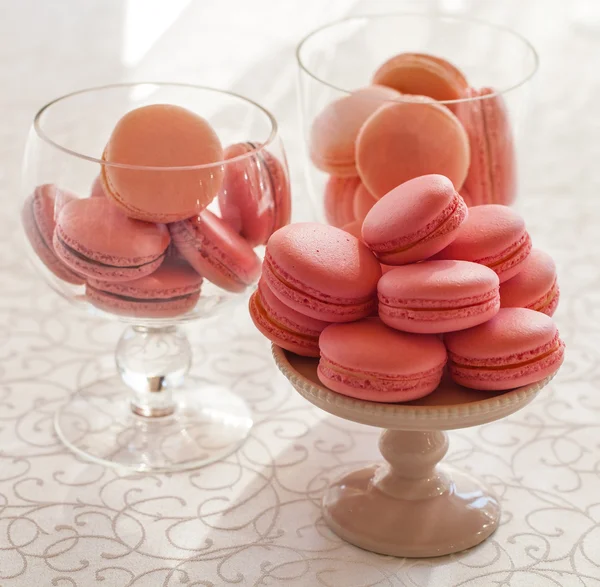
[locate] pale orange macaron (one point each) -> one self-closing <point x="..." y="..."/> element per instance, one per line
<point x="407" y="139"/>
<point x="423" y="75"/>
<point x="335" y="129"/>
<point x="162" y="155"/>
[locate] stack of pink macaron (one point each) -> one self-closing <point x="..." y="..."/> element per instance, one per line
<point x="419" y="116"/>
<point x="430" y="286"/>
<point x="143" y="241"/>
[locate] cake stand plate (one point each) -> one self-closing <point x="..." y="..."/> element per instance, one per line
<point x="410" y="505"/>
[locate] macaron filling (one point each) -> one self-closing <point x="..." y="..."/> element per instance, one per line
<point x="448" y="220"/>
<point x="510" y="256"/>
<point x="380" y="382"/>
<point x="435" y="310"/>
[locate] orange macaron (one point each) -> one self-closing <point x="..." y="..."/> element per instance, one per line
<point x="162" y="163"/>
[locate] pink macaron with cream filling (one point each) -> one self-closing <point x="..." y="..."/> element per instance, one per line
<point x="517" y="347"/>
<point x="94" y="238"/>
<point x="171" y="291"/>
<point x="284" y="326"/>
<point x="534" y="287"/>
<point x="415" y="220"/>
<point x="493" y="235"/>
<point x="438" y="296"/>
<point x="339" y="200"/>
<point x="38" y="217"/>
<point x="369" y="361"/>
<point x="216" y="251"/>
<point x="255" y="196"/>
<point x="322" y="272"/>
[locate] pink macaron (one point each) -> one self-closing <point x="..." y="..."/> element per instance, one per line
<point x="517" y="347"/>
<point x="438" y="296"/>
<point x="216" y="251"/>
<point x="364" y="200"/>
<point x="534" y="287"/>
<point x="171" y="291"/>
<point x="492" y="174"/>
<point x="255" y="196"/>
<point x="493" y="235"/>
<point x="369" y="361"/>
<point x="407" y="139"/>
<point x="339" y="199"/>
<point x="284" y="326"/>
<point x="322" y="272"/>
<point x="354" y="228"/>
<point x="38" y="217"/>
<point x="94" y="238"/>
<point x="334" y="131"/>
<point x="165" y="163"/>
<point x="415" y="220"/>
<point x="97" y="190"/>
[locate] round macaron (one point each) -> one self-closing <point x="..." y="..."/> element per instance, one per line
<point x="438" y="296"/>
<point x="369" y="361"/>
<point x="334" y="130"/>
<point x="216" y="251"/>
<point x="322" y="272"/>
<point x="407" y="139"/>
<point x="492" y="177"/>
<point x="255" y="196"/>
<point x="493" y="235"/>
<point x="38" y="217"/>
<point x="534" y="287"/>
<point x="422" y="74"/>
<point x="165" y="143"/>
<point x="339" y="199"/>
<point x="517" y="347"/>
<point x="284" y="326"/>
<point x="354" y="228"/>
<point x="363" y="202"/>
<point x="415" y="220"/>
<point x="96" y="239"/>
<point x="172" y="290"/>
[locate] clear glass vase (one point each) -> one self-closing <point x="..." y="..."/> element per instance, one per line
<point x="151" y="416"/>
<point x="339" y="58"/>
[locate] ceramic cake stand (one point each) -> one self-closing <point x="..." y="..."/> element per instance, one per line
<point x="409" y="505"/>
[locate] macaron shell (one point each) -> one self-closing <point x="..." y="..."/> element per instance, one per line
<point x="370" y="361"/>
<point x="322" y="271"/>
<point x="492" y="174"/>
<point x="354" y="228"/>
<point x="438" y="296"/>
<point x="255" y="196"/>
<point x="493" y="235"/>
<point x="284" y="326"/>
<point x="408" y="139"/>
<point x="97" y="240"/>
<point x="363" y="202"/>
<point x="415" y="220"/>
<point x="172" y="290"/>
<point x="517" y="347"/>
<point x="534" y="287"/>
<point x="97" y="190"/>
<point x="334" y="130"/>
<point x="422" y="74"/>
<point x="216" y="251"/>
<point x="43" y="250"/>
<point x="162" y="135"/>
<point x="339" y="200"/>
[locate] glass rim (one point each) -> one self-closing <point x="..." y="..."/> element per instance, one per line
<point x="436" y="16"/>
<point x="37" y="126"/>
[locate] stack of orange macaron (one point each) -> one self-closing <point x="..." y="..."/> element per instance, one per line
<point x="430" y="285"/>
<point x="143" y="242"/>
<point x="419" y="116"/>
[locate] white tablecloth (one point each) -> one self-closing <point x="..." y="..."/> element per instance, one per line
<point x="254" y="519"/>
